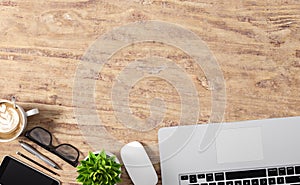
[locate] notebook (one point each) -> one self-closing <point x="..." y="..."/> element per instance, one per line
<point x="15" y="172"/>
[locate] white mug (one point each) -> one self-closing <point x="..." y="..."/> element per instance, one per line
<point x="13" y="119"/>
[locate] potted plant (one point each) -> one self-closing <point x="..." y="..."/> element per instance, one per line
<point x="99" y="169"/>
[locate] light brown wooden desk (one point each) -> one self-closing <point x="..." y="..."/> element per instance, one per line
<point x="256" y="44"/>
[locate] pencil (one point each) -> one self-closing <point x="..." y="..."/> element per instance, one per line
<point x="24" y="156"/>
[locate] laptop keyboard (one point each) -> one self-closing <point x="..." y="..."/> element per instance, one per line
<point x="262" y="176"/>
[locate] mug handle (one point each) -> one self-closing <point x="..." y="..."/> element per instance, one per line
<point x="32" y="112"/>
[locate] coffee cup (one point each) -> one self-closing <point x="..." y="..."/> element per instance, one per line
<point x="13" y="119"/>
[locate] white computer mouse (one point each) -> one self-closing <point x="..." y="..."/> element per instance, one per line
<point x="138" y="164"/>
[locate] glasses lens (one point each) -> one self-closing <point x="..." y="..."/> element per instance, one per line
<point x="41" y="136"/>
<point x="68" y="152"/>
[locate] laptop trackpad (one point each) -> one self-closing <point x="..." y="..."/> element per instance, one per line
<point x="239" y="145"/>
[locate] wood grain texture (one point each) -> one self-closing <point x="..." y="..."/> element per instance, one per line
<point x="256" y="44"/>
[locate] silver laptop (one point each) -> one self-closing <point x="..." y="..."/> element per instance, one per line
<point x="258" y="152"/>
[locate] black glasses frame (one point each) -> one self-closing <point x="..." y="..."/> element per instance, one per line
<point x="53" y="148"/>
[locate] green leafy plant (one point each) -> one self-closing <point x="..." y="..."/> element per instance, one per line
<point x="99" y="169"/>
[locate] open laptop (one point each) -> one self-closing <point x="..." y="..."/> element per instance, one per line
<point x="258" y="152"/>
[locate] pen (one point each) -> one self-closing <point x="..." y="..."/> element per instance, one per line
<point x="33" y="151"/>
<point x="24" y="156"/>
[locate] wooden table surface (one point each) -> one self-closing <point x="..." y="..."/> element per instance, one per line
<point x="256" y="45"/>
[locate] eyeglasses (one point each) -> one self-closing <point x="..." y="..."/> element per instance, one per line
<point x="43" y="138"/>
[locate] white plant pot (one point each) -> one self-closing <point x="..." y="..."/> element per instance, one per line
<point x="107" y="153"/>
